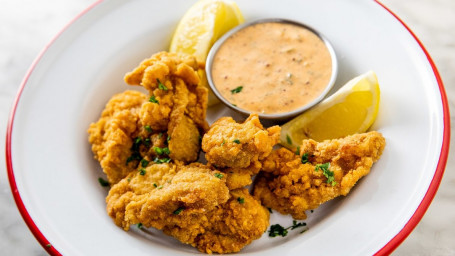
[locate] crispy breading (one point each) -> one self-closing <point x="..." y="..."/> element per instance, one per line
<point x="178" y="103"/>
<point x="112" y="135"/>
<point x="153" y="196"/>
<point x="239" y="147"/>
<point x="233" y="225"/>
<point x="190" y="203"/>
<point x="291" y="187"/>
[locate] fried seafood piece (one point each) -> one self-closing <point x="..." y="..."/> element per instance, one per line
<point x="112" y="135"/>
<point x="292" y="184"/>
<point x="190" y="203"/>
<point x="233" y="225"/>
<point x="239" y="148"/>
<point x="177" y="102"/>
<point x="157" y="195"/>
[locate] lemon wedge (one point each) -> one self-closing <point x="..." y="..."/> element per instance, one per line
<point x="201" y="26"/>
<point x="352" y="109"/>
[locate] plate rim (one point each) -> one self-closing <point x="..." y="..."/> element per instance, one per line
<point x="388" y="248"/>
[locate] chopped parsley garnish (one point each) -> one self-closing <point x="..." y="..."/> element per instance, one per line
<point x="297" y="151"/>
<point x="161" y="151"/>
<point x="147" y="142"/>
<point x="236" y="141"/>
<point x="326" y="172"/>
<point x="222" y="143"/>
<point x="241" y="200"/>
<point x="142" y="171"/>
<point x="162" y="160"/>
<point x="237" y="90"/>
<point x="278" y="230"/>
<point x="305" y="158"/>
<point x="48" y="245"/>
<point x="144" y="162"/>
<point x="288" y="139"/>
<point x="139" y="225"/>
<point x="160" y="135"/>
<point x="219" y="175"/>
<point x="178" y="211"/>
<point x="137" y="142"/>
<point x="148" y="128"/>
<point x="160" y="85"/>
<point x="160" y="187"/>
<point x="154" y="100"/>
<point x="235" y="105"/>
<point x="168" y="138"/>
<point x="154" y="184"/>
<point x="296" y="224"/>
<point x="103" y="182"/>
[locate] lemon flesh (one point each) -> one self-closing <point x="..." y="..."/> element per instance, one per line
<point x="352" y="109"/>
<point x="201" y="26"/>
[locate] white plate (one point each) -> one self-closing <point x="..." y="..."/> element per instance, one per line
<point x="54" y="178"/>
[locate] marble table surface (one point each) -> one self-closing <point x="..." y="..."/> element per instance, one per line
<point x="27" y="25"/>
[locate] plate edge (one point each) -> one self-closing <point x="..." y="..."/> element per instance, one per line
<point x="47" y="246"/>
<point x="436" y="181"/>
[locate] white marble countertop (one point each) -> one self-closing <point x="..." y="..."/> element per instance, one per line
<point x="27" y="25"/>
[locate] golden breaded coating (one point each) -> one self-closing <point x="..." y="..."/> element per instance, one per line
<point x="239" y="147"/>
<point x="233" y="225"/>
<point x="160" y="75"/>
<point x="330" y="169"/>
<point x="190" y="203"/>
<point x="157" y="195"/>
<point x="112" y="135"/>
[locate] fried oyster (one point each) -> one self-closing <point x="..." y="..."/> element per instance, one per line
<point x="293" y="184"/>
<point x="239" y="148"/>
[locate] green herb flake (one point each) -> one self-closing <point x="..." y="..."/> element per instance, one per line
<point x="237" y="90"/>
<point x="139" y="225"/>
<point x="147" y="142"/>
<point x="161" y="160"/>
<point x="168" y="138"/>
<point x="296" y="224"/>
<point x="166" y="151"/>
<point x="327" y="173"/>
<point x="305" y="158"/>
<point x="103" y="182"/>
<point x="222" y="143"/>
<point x="277" y="230"/>
<point x="142" y="171"/>
<point x="219" y="175"/>
<point x="241" y="200"/>
<point x="236" y="141"/>
<point x="148" y="128"/>
<point x="154" y="184"/>
<point x="297" y="151"/>
<point x="144" y="162"/>
<point x="160" y="187"/>
<point x="154" y="100"/>
<point x="288" y="139"/>
<point x="48" y="245"/>
<point x="158" y="150"/>
<point x="160" y="85"/>
<point x="235" y="105"/>
<point x="178" y="211"/>
<point x="270" y="210"/>
<point x="160" y="135"/>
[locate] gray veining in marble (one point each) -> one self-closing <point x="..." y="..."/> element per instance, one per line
<point x="27" y="25"/>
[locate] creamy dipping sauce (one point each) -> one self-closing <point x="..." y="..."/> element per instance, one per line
<point x="272" y="68"/>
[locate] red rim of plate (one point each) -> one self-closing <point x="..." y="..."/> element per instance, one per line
<point x="386" y="250"/>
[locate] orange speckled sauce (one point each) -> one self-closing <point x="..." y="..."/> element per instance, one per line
<point x="280" y="66"/>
